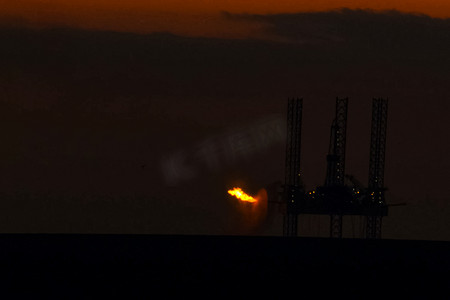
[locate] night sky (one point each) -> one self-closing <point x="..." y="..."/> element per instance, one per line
<point x="137" y="118"/>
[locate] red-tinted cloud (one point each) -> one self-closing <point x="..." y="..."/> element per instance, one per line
<point x="198" y="17"/>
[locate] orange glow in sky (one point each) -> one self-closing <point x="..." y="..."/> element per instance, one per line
<point x="195" y="17"/>
<point x="241" y="195"/>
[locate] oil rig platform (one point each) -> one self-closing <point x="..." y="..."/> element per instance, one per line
<point x="341" y="194"/>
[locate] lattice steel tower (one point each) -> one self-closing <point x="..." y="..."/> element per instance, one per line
<point x="293" y="188"/>
<point x="376" y="187"/>
<point x="336" y="160"/>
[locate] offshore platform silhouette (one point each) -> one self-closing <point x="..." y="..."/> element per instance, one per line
<point x="341" y="194"/>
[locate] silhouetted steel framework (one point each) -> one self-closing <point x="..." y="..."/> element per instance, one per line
<point x="292" y="188"/>
<point x="336" y="150"/>
<point x="376" y="166"/>
<point x="335" y="198"/>
<point x="336" y="160"/>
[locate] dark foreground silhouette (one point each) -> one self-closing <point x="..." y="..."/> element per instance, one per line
<point x="135" y="265"/>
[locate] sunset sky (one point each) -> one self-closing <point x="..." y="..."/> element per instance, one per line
<point x="96" y="97"/>
<point x="194" y="18"/>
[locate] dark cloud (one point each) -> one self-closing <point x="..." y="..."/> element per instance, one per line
<point x="83" y="111"/>
<point x="385" y="28"/>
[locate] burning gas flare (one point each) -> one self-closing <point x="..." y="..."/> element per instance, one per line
<point x="241" y="195"/>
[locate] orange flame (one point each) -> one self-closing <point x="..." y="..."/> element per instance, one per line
<point x="241" y="195"/>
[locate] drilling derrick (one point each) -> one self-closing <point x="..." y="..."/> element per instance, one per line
<point x="335" y="198"/>
<point x="334" y="182"/>
<point x="293" y="189"/>
<point x="376" y="189"/>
